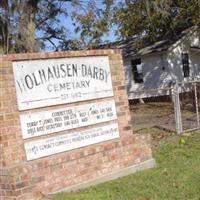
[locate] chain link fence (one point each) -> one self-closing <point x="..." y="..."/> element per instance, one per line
<point x="177" y="111"/>
<point x="187" y="106"/>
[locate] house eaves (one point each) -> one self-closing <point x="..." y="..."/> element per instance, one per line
<point x="128" y="49"/>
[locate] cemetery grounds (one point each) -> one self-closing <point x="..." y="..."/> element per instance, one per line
<point x="177" y="175"/>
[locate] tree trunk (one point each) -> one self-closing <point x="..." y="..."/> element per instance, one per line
<point x="26" y="40"/>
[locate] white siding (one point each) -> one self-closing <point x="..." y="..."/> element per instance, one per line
<point x="195" y="53"/>
<point x="155" y="76"/>
<point x="174" y="57"/>
<point x="195" y="39"/>
<point x="156" y="80"/>
<point x="195" y="62"/>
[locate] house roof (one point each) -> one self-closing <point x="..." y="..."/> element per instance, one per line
<point x="129" y="50"/>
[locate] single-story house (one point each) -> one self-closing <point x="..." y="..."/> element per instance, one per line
<point x="151" y="70"/>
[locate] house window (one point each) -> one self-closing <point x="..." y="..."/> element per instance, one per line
<point x="137" y="70"/>
<point x="185" y="62"/>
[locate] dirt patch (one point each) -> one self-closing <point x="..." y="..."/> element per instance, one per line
<point x="160" y="115"/>
<point x="149" y="115"/>
<point x="159" y="136"/>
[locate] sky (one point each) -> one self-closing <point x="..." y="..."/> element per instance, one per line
<point x="67" y="22"/>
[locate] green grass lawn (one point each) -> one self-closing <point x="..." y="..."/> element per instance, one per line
<point x="176" y="177"/>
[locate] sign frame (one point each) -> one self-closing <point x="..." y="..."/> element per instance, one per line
<point x="48" y="82"/>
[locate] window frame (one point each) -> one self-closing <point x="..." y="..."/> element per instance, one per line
<point x="185" y="64"/>
<point x="137" y="76"/>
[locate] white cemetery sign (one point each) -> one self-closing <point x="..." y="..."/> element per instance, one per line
<point x="41" y="83"/>
<point x="53" y="145"/>
<point x="42" y="123"/>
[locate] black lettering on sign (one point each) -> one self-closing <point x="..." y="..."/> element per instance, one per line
<point x="41" y="128"/>
<point x="31" y="130"/>
<point x="31" y="124"/>
<point x="58" y="119"/>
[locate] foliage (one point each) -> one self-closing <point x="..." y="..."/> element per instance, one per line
<point x="156" y="19"/>
<point x="21" y="20"/>
<point x="176" y="177"/>
<point x="29" y="25"/>
<point x="148" y="20"/>
<point x="92" y="21"/>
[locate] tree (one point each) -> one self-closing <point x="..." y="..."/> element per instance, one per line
<point x="151" y="20"/>
<point x="92" y="21"/>
<point x="29" y="25"/>
<point x="21" y="22"/>
<point x="17" y="25"/>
